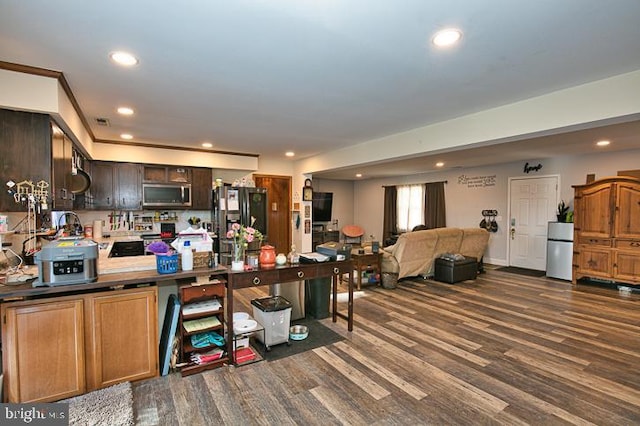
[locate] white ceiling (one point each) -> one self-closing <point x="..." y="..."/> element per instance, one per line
<point x="264" y="77"/>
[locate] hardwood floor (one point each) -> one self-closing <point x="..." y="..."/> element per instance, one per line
<point x="503" y="349"/>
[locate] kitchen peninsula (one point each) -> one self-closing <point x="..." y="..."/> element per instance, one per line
<point x="106" y="331"/>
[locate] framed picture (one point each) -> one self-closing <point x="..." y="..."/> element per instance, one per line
<point x="307" y="211"/>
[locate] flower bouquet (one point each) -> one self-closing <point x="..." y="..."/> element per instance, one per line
<point x="241" y="236"/>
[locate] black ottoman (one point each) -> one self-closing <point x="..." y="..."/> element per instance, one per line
<point x="453" y="271"/>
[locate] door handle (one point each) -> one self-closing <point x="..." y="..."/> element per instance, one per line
<point x="513" y="233"/>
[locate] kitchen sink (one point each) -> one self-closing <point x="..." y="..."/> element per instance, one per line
<point x="127" y="248"/>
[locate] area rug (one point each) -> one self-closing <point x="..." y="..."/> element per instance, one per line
<point x="522" y="271"/>
<point x="319" y="335"/>
<point x="108" y="406"/>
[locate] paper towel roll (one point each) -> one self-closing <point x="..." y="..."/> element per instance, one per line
<point x="97" y="229"/>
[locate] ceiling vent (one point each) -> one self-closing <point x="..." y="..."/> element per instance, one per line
<point x="103" y="122"/>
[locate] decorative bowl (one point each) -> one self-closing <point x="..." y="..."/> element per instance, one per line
<point x="298" y="332"/>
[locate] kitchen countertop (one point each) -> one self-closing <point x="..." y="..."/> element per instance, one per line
<point x="112" y="271"/>
<point x="113" y="265"/>
<point x="105" y="281"/>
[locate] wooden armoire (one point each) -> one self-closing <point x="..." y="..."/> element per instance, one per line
<point x="607" y="230"/>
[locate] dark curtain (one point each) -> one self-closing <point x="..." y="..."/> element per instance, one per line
<point x="390" y="219"/>
<point x="434" y="207"/>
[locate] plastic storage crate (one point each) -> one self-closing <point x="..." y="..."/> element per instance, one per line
<point x="274" y="314"/>
<point x="167" y="263"/>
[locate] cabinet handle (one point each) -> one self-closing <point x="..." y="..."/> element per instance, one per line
<point x="63" y="193"/>
<point x="300" y="274"/>
<point x="256" y="280"/>
<point x="635" y="244"/>
<point x="108" y="200"/>
<point x="336" y="270"/>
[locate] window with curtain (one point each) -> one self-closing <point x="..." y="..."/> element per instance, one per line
<point x="409" y="206"/>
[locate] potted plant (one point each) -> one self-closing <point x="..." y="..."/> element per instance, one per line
<point x="563" y="210"/>
<point x="194" y="222"/>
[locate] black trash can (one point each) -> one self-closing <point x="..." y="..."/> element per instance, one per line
<point x="317" y="297"/>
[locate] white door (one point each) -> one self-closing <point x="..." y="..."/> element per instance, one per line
<point x="533" y="203"/>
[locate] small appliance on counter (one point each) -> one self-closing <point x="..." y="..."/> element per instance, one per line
<point x="70" y="260"/>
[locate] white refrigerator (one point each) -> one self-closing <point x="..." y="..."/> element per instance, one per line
<point x="559" y="250"/>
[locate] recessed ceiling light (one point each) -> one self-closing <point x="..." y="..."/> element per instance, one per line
<point x="123" y="58"/>
<point x="290" y="153"/>
<point x="446" y="37"/>
<point x="603" y="143"/>
<point x="126" y="136"/>
<point x="358" y="175"/>
<point x="207" y="144"/>
<point x="439" y="164"/>
<point x="125" y="111"/>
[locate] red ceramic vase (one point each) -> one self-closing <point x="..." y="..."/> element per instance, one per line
<point x="267" y="256"/>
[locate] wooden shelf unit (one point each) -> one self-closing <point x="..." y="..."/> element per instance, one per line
<point x="199" y="292"/>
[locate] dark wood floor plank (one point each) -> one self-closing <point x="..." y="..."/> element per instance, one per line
<point x="503" y="349"/>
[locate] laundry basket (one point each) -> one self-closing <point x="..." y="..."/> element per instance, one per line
<point x="167" y="263"/>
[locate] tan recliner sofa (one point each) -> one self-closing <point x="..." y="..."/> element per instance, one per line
<point x="414" y="252"/>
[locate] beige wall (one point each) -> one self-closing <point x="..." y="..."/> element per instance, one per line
<point x="465" y="204"/>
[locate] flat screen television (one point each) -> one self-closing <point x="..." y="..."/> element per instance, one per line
<point x="322" y="203"/>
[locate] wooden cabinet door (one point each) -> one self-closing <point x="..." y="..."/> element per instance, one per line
<point x="61" y="152"/>
<point x="179" y="174"/>
<point x="627" y="266"/>
<point x="201" y="189"/>
<point x="43" y="350"/>
<point x="593" y="212"/>
<point x="122" y="336"/>
<point x="129" y="186"/>
<point x="627" y="210"/>
<point x="26" y="151"/>
<point x="102" y="185"/>
<point x="595" y="261"/>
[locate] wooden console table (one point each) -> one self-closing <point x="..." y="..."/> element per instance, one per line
<point x="281" y="274"/>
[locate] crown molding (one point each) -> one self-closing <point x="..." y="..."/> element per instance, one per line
<point x="173" y="147"/>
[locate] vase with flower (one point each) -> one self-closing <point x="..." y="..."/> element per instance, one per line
<point x="241" y="236"/>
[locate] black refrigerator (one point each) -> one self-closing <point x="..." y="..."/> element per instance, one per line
<point x="247" y="206"/>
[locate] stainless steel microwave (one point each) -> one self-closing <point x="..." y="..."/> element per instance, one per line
<point x="166" y="195"/>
